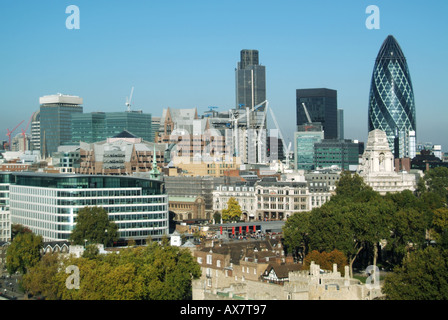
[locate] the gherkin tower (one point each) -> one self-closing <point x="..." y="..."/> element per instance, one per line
<point x="391" y="102"/>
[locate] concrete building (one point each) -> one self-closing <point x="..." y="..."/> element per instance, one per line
<point x="119" y="155"/>
<point x="259" y="271"/>
<point x="377" y="167"/>
<point x="244" y="193"/>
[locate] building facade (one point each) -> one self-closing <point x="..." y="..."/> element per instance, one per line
<point x="55" y="121"/>
<point x="391" y="101"/>
<point x="250" y="78"/>
<point x="304" y="148"/>
<point x="377" y="167"/>
<point x="97" y="126"/>
<point x="322" y="106"/>
<point x="48" y="203"/>
<point x="341" y="153"/>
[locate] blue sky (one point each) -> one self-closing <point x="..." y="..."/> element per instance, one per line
<point x="182" y="54"/>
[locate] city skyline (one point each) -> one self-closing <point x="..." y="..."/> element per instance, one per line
<point x="183" y="55"/>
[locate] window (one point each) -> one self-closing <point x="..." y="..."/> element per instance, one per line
<point x="209" y="259"/>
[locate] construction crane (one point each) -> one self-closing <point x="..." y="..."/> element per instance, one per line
<point x="9" y="133"/>
<point x="128" y="100"/>
<point x="24" y="131"/>
<point x="306" y="113"/>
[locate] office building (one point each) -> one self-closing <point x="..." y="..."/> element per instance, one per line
<point x="251" y="105"/>
<point x="5" y="215"/>
<point x="321" y="106"/>
<point x="304" y="147"/>
<point x="340" y="124"/>
<point x="340" y="153"/>
<point x="55" y="120"/>
<point x="391" y="101"/>
<point x="250" y="80"/>
<point x="48" y="204"/>
<point x="98" y="126"/>
<point x="35" y="131"/>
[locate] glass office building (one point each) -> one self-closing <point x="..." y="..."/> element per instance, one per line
<point x="55" y="121"/>
<point x="391" y="102"/>
<point x="304" y="148"/>
<point x="322" y="106"/>
<point x="98" y="126"/>
<point x="48" y="203"/>
<point x="341" y="153"/>
<point x="250" y="80"/>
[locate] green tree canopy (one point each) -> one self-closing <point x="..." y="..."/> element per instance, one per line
<point x="93" y="225"/>
<point x="154" y="272"/>
<point x="436" y="180"/>
<point x="423" y="276"/>
<point x="24" y="252"/>
<point x="233" y="211"/>
<point x="296" y="236"/>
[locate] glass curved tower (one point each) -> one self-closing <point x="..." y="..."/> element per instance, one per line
<point x="391" y="102"/>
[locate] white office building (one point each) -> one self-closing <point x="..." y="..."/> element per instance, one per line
<point x="48" y="203"/>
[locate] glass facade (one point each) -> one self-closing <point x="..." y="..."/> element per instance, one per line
<point x="322" y="107"/>
<point x="99" y="126"/>
<point x="391" y="102"/>
<point x="55" y="125"/>
<point x="249" y="72"/>
<point x="342" y="153"/>
<point x="48" y="203"/>
<point x="304" y="148"/>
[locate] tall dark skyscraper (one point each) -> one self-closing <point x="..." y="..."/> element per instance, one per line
<point x="322" y="106"/>
<point x="250" y="80"/>
<point x="391" y="102"/>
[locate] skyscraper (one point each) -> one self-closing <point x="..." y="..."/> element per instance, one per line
<point x="391" y="102"/>
<point x="250" y="80"/>
<point x="322" y="107"/>
<point x="55" y="120"/>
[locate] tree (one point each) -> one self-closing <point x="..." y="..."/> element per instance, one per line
<point x="40" y="278"/>
<point x="153" y="272"/>
<point x="423" y="276"/>
<point x="326" y="260"/>
<point x="233" y="211"/>
<point x="93" y="225"/>
<point x="24" y="252"/>
<point x="436" y="180"/>
<point x="296" y="234"/>
<point x="350" y="186"/>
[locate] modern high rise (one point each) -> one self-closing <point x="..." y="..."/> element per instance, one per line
<point x="250" y="80"/>
<point x="340" y="124"/>
<point x="322" y="106"/>
<point x="391" y="102"/>
<point x="251" y="105"/>
<point x="55" y="121"/>
<point x="98" y="126"/>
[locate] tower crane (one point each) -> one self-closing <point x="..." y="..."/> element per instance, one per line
<point x="306" y="113"/>
<point x="128" y="100"/>
<point x="9" y="133"/>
